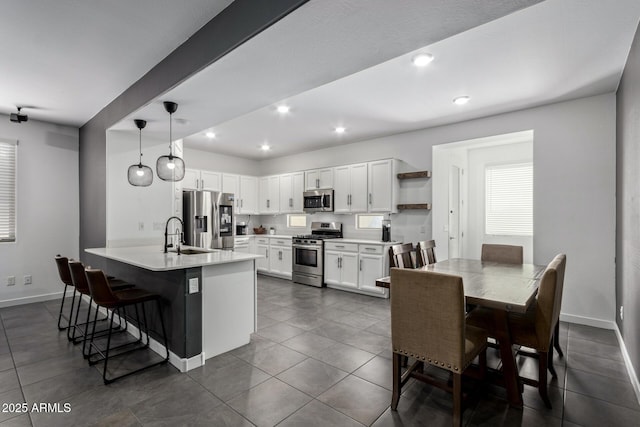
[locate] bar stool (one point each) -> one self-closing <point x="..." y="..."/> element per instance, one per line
<point x="79" y="280"/>
<point x="105" y="297"/>
<point x="65" y="276"/>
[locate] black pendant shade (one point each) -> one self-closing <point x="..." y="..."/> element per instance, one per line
<point x="140" y="175"/>
<point x="170" y="168"/>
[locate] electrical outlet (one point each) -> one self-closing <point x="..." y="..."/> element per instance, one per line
<point x="621" y="312"/>
<point x="141" y="226"/>
<point x="27" y="279"/>
<point x="11" y="280"/>
<point x="193" y="285"/>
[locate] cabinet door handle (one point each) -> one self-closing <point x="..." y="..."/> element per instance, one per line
<point x="317" y="183"/>
<point x="369" y="198"/>
<point x="290" y="202"/>
<point x="360" y="265"/>
<point x="340" y="262"/>
<point x="267" y="252"/>
<point x="369" y="249"/>
<point x="241" y="203"/>
<point x="280" y="255"/>
<point x="339" y="246"/>
<point x="267" y="203"/>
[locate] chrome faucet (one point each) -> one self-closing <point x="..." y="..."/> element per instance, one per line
<point x="177" y="233"/>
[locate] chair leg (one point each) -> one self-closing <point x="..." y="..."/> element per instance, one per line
<point x="164" y="332"/>
<point x="457" y="399"/>
<point x="556" y="340"/>
<point x="106" y="353"/>
<point x="550" y="362"/>
<point x="86" y="331"/>
<point x="71" y="332"/>
<point x="397" y="380"/>
<point x="64" y="296"/>
<point x="542" y="378"/>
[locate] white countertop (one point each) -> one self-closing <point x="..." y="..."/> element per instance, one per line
<point x="271" y="236"/>
<point x="152" y="258"/>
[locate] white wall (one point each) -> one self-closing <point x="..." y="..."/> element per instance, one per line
<point x="47" y="209"/>
<point x="135" y="215"/>
<point x="196" y="159"/>
<point x="574" y="188"/>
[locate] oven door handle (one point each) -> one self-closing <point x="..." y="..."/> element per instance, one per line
<point x="295" y="246"/>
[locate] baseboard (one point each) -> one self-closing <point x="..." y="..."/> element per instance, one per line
<point x="588" y="321"/>
<point x="181" y="363"/>
<point x="30" y="300"/>
<point x="627" y="361"/>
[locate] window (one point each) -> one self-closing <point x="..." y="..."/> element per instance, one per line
<point x="509" y="200"/>
<point x="8" y="155"/>
<point x="296" y="221"/>
<point x="369" y="221"/>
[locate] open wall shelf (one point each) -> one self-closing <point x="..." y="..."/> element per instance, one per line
<point x="414" y="175"/>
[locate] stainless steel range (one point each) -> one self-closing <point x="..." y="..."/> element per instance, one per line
<point x="308" y="252"/>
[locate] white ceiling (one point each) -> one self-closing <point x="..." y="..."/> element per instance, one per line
<point x="339" y="62"/>
<point x="65" y="60"/>
<point x="552" y="51"/>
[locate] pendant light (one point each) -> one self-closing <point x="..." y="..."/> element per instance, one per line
<point x="140" y="175"/>
<point x="170" y="168"/>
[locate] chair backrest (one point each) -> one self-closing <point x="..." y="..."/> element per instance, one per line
<point x="502" y="253"/>
<point x="63" y="270"/>
<point x="400" y="256"/>
<point x="77" y="276"/>
<point x="425" y="253"/>
<point x="549" y="300"/>
<point x="99" y="286"/>
<point x="428" y="317"/>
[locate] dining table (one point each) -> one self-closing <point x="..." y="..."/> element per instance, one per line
<point x="501" y="287"/>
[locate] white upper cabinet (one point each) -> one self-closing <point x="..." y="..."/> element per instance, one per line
<point x="269" y="194"/>
<point x="291" y="189"/>
<point x="245" y="189"/>
<point x="195" y="179"/>
<point x="248" y="195"/>
<point x="383" y="186"/>
<point x="318" y="178"/>
<point x="350" y="192"/>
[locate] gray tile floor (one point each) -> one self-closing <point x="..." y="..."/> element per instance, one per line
<point x="320" y="358"/>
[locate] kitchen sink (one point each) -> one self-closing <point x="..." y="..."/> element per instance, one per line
<point x="192" y="251"/>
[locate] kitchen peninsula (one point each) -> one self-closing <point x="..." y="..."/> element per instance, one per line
<point x="208" y="297"/>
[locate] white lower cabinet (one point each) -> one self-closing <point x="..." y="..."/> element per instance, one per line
<point x="278" y="256"/>
<point x="355" y="267"/>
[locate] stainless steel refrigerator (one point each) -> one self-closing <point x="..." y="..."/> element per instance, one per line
<point x="208" y="219"/>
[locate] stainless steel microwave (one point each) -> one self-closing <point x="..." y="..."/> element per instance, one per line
<point x="318" y="201"/>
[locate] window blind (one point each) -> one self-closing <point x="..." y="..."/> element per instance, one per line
<point x="509" y="200"/>
<point x="7" y="191"/>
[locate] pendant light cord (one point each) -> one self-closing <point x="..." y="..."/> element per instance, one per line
<point x="140" y="146"/>
<point x="170" y="135"/>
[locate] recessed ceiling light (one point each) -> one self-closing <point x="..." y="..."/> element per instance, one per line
<point x="283" y="109"/>
<point x="422" y="59"/>
<point x="461" y="100"/>
<point x="265" y="147"/>
<point x="339" y="129"/>
<point x="210" y="135"/>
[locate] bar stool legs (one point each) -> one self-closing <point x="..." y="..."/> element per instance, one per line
<point x="108" y="352"/>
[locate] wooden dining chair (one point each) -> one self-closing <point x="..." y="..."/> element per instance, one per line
<point x="428" y="323"/>
<point x="402" y="256"/>
<point x="502" y="253"/>
<point x="536" y="328"/>
<point x="425" y="253"/>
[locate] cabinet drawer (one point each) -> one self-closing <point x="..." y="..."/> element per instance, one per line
<point x="262" y="240"/>
<point x="343" y="247"/>
<point x="280" y="242"/>
<point x="371" y="249"/>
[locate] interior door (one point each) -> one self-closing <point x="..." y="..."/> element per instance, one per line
<point x="455" y="243"/>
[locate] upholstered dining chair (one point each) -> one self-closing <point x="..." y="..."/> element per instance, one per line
<point x="536" y="328"/>
<point x="402" y="256"/>
<point x="428" y="323"/>
<point x="502" y="253"/>
<point x="425" y="253"/>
